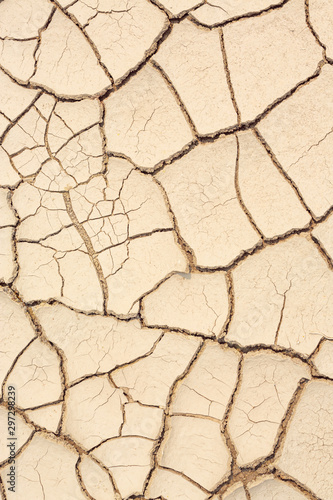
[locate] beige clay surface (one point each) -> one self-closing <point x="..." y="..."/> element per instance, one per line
<point x="166" y="250"/>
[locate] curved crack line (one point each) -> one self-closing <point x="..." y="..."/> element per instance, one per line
<point x="298" y="486"/>
<point x="92" y="254"/>
<point x="177" y="97"/>
<point x="239" y="17"/>
<point x="39" y="41"/>
<point x="227" y="72"/>
<point x="2" y="490"/>
<point x="239" y="195"/>
<point x="313" y="32"/>
<point x="231" y="305"/>
<point x="282" y="171"/>
<point x="322" y="250"/>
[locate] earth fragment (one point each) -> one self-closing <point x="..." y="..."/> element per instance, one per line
<point x="166" y="249"/>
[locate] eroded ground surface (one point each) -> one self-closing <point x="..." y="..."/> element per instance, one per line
<point x="166" y="233"/>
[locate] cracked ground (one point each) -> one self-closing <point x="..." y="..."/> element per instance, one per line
<point x="166" y="249"/>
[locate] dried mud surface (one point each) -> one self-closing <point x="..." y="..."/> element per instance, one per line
<point x="166" y="249"/>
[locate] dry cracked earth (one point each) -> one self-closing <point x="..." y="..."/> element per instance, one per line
<point x="166" y="232"/>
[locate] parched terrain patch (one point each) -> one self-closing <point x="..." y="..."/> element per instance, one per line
<point x="166" y="250"/>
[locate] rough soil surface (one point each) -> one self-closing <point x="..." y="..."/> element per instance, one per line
<point x="166" y="249"/>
